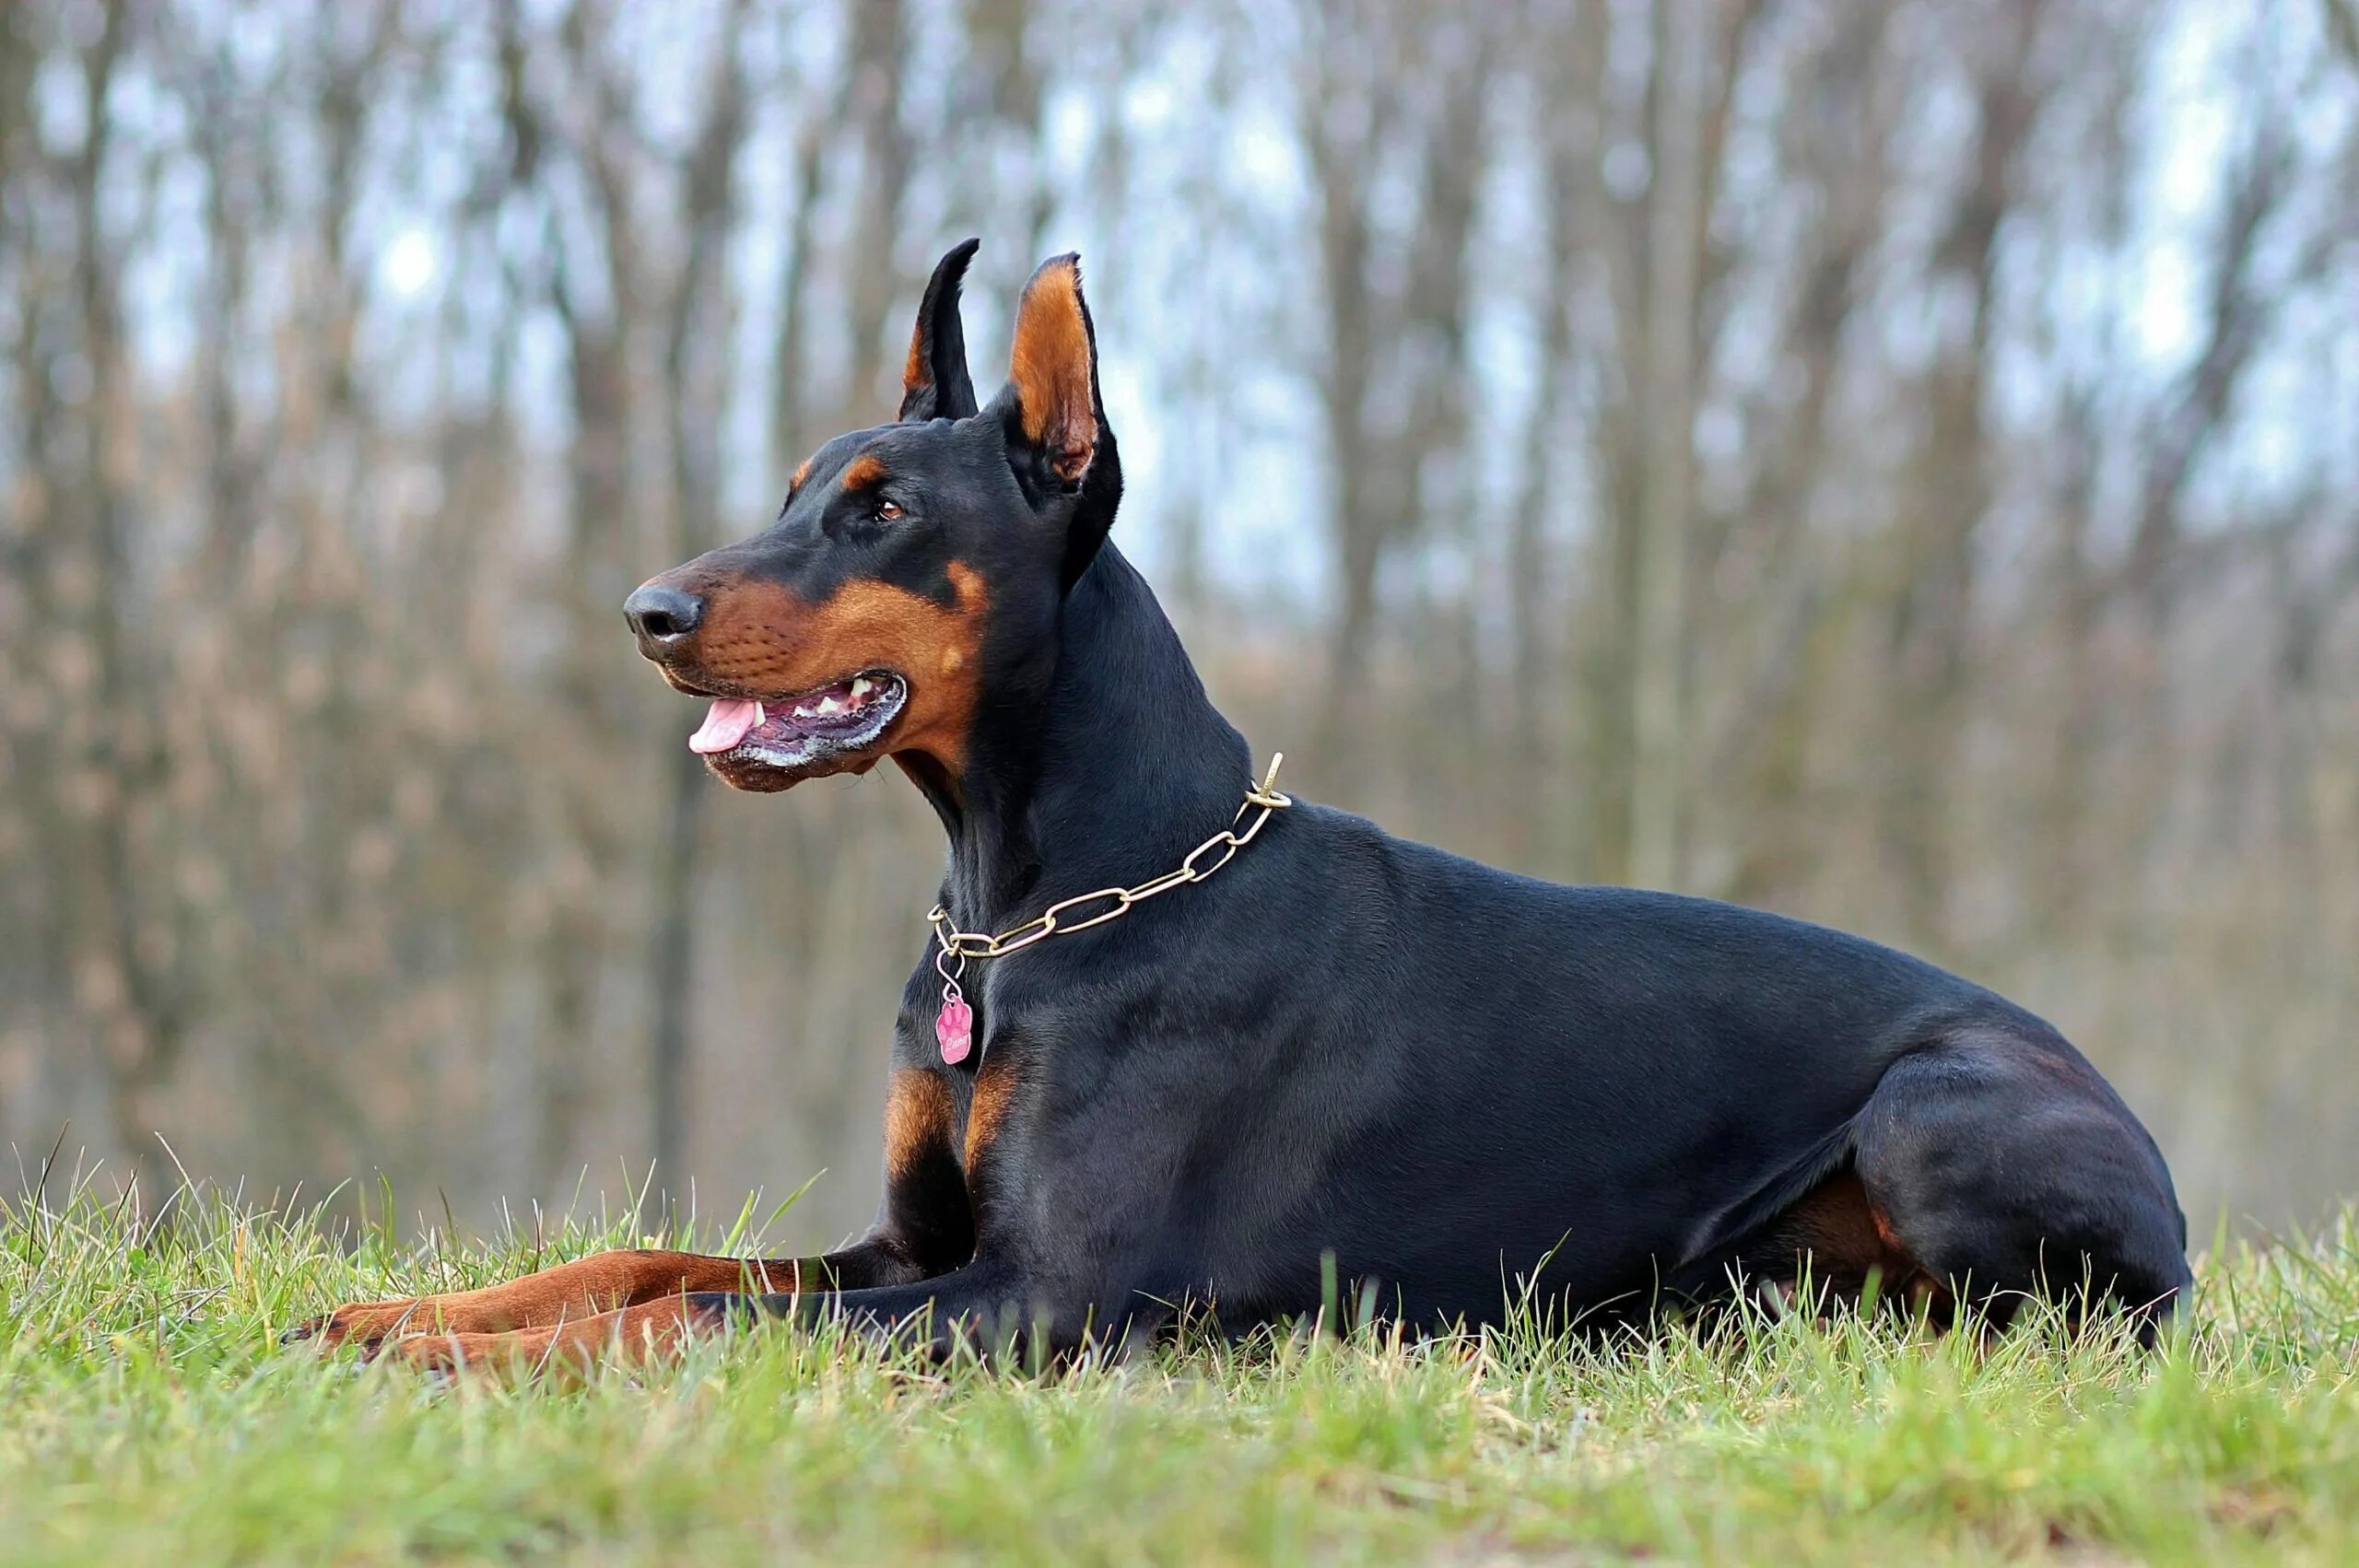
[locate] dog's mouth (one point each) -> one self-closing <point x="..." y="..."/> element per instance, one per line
<point x="795" y="734"/>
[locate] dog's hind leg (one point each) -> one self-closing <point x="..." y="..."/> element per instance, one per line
<point x="2002" y="1164"/>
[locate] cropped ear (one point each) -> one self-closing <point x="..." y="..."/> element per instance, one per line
<point x="1058" y="422"/>
<point x="935" y="384"/>
<point x="1053" y="370"/>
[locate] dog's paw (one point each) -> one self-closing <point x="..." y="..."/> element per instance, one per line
<point x="530" y="1355"/>
<point x="364" y="1324"/>
<point x="447" y="1354"/>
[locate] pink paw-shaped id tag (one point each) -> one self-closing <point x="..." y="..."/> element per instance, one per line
<point x="954" y="1026"/>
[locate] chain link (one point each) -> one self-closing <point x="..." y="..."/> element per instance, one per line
<point x="1059" y="919"/>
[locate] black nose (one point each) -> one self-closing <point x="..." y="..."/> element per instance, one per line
<point x="661" y="615"/>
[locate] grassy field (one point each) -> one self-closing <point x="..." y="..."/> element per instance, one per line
<point x="148" y="1413"/>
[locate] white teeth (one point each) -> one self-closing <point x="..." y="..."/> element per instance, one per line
<point x="859" y="687"/>
<point x="829" y="704"/>
<point x="761" y="715"/>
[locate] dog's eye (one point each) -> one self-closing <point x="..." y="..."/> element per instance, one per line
<point x="888" y="511"/>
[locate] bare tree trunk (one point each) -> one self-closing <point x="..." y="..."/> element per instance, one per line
<point x="1570" y="136"/>
<point x="586" y="860"/>
<point x="1379" y="463"/>
<point x="1344" y="243"/>
<point x="2238" y="312"/>
<point x="1932" y="622"/>
<point x="879" y="58"/>
<point x="698" y="329"/>
<point x="1674" y="241"/>
<point x="2059" y="878"/>
<point x="1838" y="144"/>
<point x="127" y="965"/>
<point x="1611" y="224"/>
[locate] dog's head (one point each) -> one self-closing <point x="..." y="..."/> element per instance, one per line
<point x="912" y="580"/>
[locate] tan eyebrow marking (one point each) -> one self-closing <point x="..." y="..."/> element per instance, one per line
<point x="863" y="472"/>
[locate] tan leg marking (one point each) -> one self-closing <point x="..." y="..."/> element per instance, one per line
<point x="994" y="1091"/>
<point x="645" y="1335"/>
<point x="917" y="1120"/>
<point x="570" y="1292"/>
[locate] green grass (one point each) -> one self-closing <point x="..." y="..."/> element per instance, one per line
<point x="148" y="1413"/>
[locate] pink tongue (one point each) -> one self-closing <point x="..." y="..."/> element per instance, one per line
<point x="725" y="724"/>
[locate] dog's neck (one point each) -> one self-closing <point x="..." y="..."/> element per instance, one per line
<point x="1125" y="767"/>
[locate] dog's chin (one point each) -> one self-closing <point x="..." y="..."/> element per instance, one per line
<point x="758" y="777"/>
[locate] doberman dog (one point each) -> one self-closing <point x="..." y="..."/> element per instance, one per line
<point x="1263" y="1055"/>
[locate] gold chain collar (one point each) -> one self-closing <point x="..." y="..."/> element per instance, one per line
<point x="1052" y="922"/>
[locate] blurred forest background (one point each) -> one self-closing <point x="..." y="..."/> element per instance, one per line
<point x="1895" y="463"/>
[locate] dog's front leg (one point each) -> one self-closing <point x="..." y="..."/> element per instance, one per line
<point x="925" y="1228"/>
<point x="603" y="1284"/>
<point x="569" y="1351"/>
<point x="986" y="1305"/>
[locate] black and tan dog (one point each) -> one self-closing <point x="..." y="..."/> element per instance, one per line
<point x="1324" y="1055"/>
